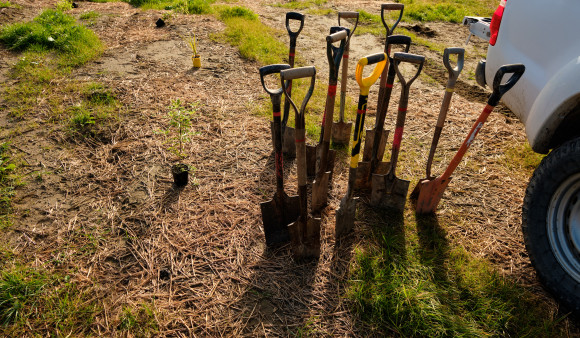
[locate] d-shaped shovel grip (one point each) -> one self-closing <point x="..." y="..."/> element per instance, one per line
<point x="297" y="17"/>
<point x="391" y="7"/>
<point x="499" y="89"/>
<point x="454" y="71"/>
<point x="410" y="58"/>
<point x="334" y="54"/>
<point x="272" y="69"/>
<point x="366" y="83"/>
<point x="298" y="73"/>
<point x="349" y="15"/>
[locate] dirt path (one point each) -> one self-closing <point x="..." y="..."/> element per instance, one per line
<point x="197" y="255"/>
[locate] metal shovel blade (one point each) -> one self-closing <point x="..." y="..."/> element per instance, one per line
<point x="276" y="217"/>
<point x="288" y="142"/>
<point x="369" y="141"/>
<point x="430" y="193"/>
<point x="341" y="132"/>
<point x="364" y="174"/>
<point x="345" y="216"/>
<point x="313" y="160"/>
<point x="320" y="192"/>
<point x="305" y="238"/>
<point x="389" y="192"/>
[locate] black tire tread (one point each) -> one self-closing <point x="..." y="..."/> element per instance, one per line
<point x="552" y="171"/>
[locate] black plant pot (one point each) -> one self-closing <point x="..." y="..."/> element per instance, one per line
<point x="180" y="173"/>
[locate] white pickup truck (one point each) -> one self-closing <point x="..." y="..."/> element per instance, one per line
<point x="544" y="37"/>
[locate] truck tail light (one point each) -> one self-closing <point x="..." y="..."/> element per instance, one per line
<point x="495" y="22"/>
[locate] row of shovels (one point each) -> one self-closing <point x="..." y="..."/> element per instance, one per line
<point x="288" y="218"/>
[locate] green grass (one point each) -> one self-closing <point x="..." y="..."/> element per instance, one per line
<point x="139" y="321"/>
<point x="408" y="280"/>
<point x="301" y="5"/>
<point x="448" y="11"/>
<point x="254" y="40"/>
<point x="5" y="4"/>
<point x="33" y="300"/>
<point x="183" y="6"/>
<point x="8" y="181"/>
<point x="522" y="159"/>
<point x="90" y="15"/>
<point x="56" y="32"/>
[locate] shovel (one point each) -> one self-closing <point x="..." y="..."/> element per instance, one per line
<point x="374" y="149"/>
<point x="453" y="75"/>
<point x="388" y="190"/>
<point x="341" y="130"/>
<point x="313" y="153"/>
<point x="288" y="146"/>
<point x="431" y="190"/>
<point x="304" y="230"/>
<point x="278" y="212"/>
<point x="320" y="184"/>
<point x="346" y="212"/>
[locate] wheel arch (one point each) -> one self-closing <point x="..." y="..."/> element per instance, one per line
<point x="555" y="114"/>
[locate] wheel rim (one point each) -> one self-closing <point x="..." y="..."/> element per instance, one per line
<point x="563" y="225"/>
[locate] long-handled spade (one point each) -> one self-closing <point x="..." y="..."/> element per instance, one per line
<point x="388" y="190"/>
<point x="341" y="130"/>
<point x="431" y="190"/>
<point x="346" y="212"/>
<point x="374" y="149"/>
<point x="450" y="88"/>
<point x="334" y="54"/>
<point x="321" y="182"/>
<point x="278" y="212"/>
<point x="288" y="146"/>
<point x="305" y="230"/>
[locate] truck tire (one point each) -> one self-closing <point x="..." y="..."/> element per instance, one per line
<point x="551" y="223"/>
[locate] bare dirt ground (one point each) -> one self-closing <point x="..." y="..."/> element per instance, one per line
<point x="198" y="254"/>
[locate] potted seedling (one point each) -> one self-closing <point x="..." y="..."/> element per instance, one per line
<point x="180" y="121"/>
<point x="195" y="57"/>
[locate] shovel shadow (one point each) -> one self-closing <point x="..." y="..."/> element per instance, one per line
<point x="433" y="245"/>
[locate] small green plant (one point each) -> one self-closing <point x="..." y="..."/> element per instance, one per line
<point x="64" y="5"/>
<point x="180" y="119"/>
<point x="5" y="4"/>
<point x="139" y="321"/>
<point x="81" y="119"/>
<point x="90" y="15"/>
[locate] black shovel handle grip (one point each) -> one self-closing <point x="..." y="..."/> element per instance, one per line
<point x="454" y="71"/>
<point x="272" y="69"/>
<point x="499" y="89"/>
<point x="399" y="40"/>
<point x="391" y="7"/>
<point x="410" y="58"/>
<point x="374" y="58"/>
<point x="294" y="16"/>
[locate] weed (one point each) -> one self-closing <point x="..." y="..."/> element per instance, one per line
<point x="5" y="4"/>
<point x="140" y="321"/>
<point x="81" y="119"/>
<point x="301" y="5"/>
<point x="184" y="6"/>
<point x="7" y="185"/>
<point x="19" y="289"/>
<point x="64" y="5"/>
<point x="226" y="12"/>
<point x="90" y="15"/>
